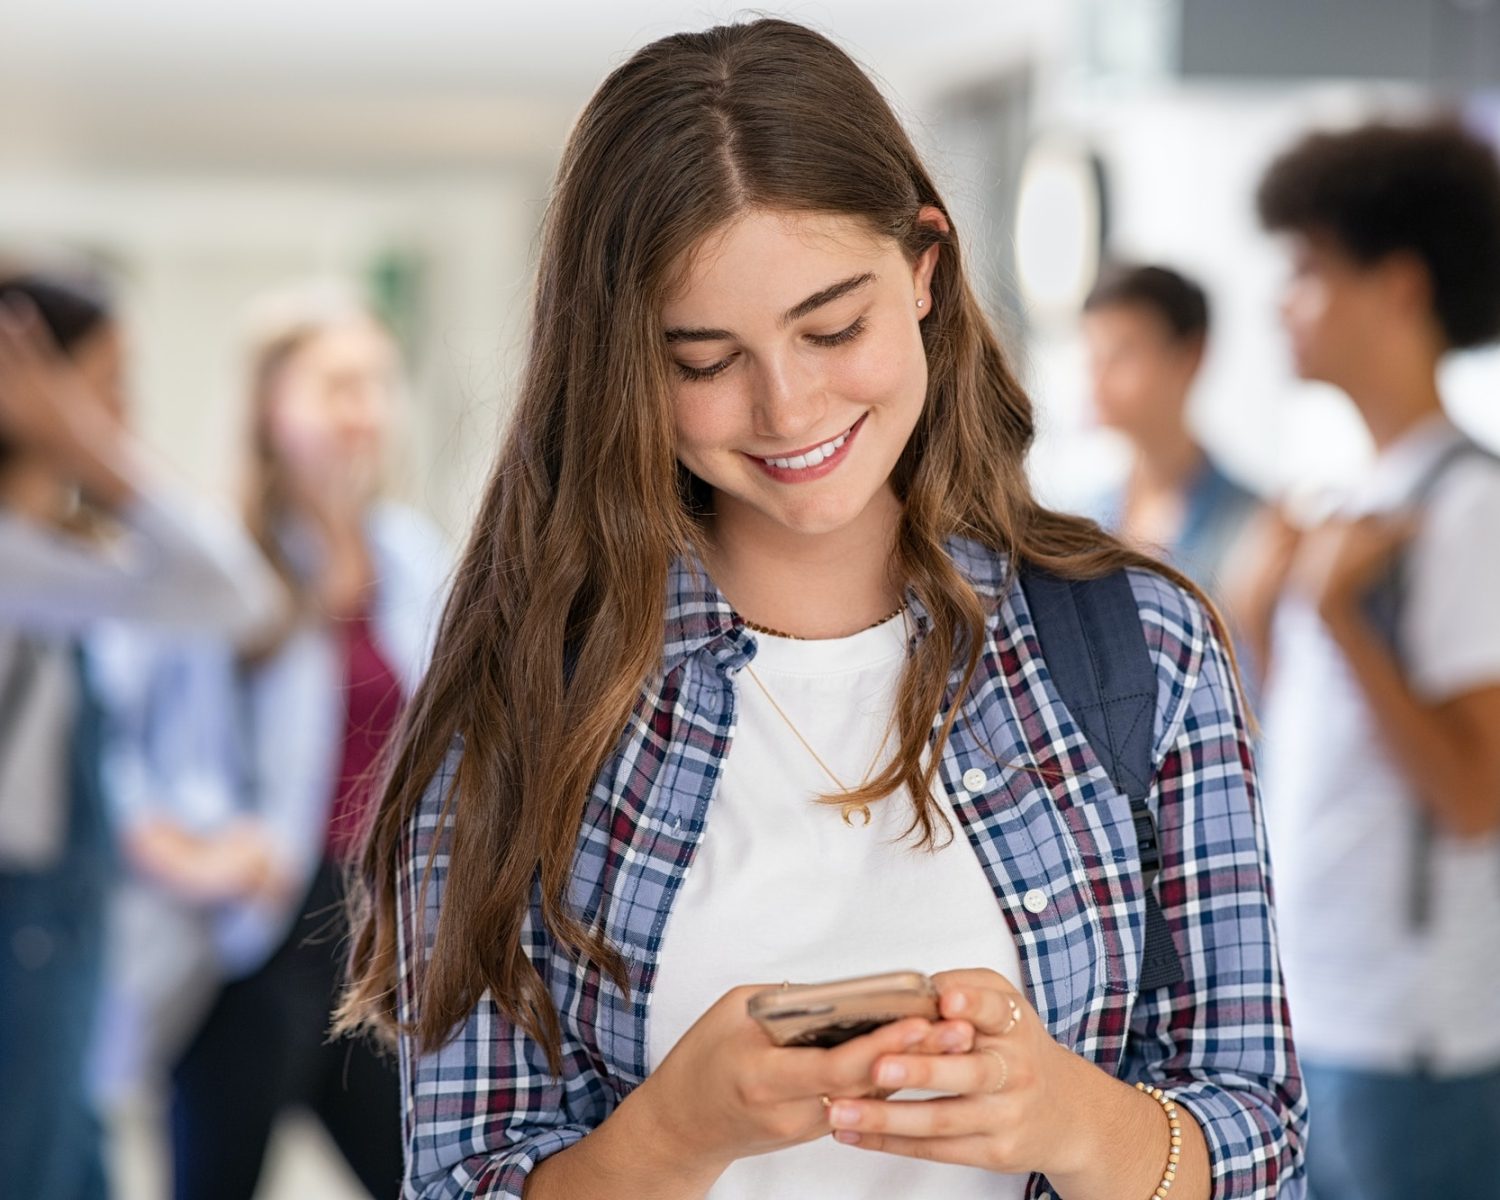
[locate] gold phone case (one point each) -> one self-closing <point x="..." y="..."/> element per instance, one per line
<point x="829" y="1014"/>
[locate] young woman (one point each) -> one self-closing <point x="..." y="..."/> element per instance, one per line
<point x="738" y="686"/>
<point x="241" y="779"/>
<point x="88" y="533"/>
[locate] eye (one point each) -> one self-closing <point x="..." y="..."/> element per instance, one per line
<point x="701" y="373"/>
<point x="846" y="334"/>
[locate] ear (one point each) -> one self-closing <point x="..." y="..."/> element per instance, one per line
<point x="1192" y="353"/>
<point x="926" y="263"/>
<point x="1408" y="285"/>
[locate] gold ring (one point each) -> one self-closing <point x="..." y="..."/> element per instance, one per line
<point x="1004" y="1066"/>
<point x="1015" y="1015"/>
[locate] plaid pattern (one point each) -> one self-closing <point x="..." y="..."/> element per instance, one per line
<point x="483" y="1110"/>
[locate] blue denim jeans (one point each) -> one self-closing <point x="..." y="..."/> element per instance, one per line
<point x="1377" y="1136"/>
<point x="51" y="961"/>
<point x="51" y="949"/>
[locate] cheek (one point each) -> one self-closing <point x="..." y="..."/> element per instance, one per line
<point x="1307" y="305"/>
<point x="704" y="423"/>
<point x="890" y="373"/>
<point x="298" y="423"/>
<point x="1119" y="385"/>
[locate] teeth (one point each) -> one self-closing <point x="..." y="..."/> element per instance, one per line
<point x="812" y="458"/>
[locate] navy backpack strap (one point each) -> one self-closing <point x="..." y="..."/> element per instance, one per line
<point x="1095" y="649"/>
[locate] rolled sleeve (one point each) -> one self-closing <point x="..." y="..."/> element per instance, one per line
<point x="1220" y="1041"/>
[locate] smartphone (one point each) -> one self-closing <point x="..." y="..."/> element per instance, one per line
<point x="829" y="1014"/>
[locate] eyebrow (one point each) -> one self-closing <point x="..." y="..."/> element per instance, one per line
<point x="802" y="308"/>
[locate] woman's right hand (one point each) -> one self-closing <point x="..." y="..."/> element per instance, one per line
<point x="726" y="1091"/>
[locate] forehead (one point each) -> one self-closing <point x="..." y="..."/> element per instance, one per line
<point x="1321" y="250"/>
<point x="356" y="342"/>
<point x="766" y="260"/>
<point x="1126" y="318"/>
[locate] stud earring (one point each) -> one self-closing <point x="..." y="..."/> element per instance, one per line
<point x="920" y="303"/>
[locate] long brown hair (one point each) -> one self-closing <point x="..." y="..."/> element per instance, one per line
<point x="588" y="506"/>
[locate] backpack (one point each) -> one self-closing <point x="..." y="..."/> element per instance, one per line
<point x="1095" y="649"/>
<point x="1384" y="605"/>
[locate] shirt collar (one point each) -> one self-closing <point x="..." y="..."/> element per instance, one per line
<point x="699" y="617"/>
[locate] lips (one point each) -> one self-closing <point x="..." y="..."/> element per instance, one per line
<point x="811" y="456"/>
<point x="812" y="462"/>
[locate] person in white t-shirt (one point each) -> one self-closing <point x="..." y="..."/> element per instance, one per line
<point x="741" y="681"/>
<point x="1380" y="631"/>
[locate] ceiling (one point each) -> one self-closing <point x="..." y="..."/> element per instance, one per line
<point x="385" y="83"/>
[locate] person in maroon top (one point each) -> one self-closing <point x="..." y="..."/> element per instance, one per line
<point x="311" y="709"/>
<point x="373" y="696"/>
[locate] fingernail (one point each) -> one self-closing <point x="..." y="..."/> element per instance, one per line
<point x="953" y="1040"/>
<point x="915" y="1037"/>
<point x="890" y="1074"/>
<point x="958" y="1003"/>
<point x="843" y="1114"/>
<point x="847" y="1136"/>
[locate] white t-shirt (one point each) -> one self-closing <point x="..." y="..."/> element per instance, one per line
<point x="1366" y="990"/>
<point x="782" y="889"/>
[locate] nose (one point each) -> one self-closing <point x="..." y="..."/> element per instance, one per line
<point x="789" y="401"/>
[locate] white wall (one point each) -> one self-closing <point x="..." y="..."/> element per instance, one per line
<point x="191" y="249"/>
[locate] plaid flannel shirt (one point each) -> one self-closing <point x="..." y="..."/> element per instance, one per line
<point x="483" y="1110"/>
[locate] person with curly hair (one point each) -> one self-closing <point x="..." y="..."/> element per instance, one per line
<point x="1380" y="636"/>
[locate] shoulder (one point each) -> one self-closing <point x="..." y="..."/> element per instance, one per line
<point x="1181" y="642"/>
<point x="1450" y="631"/>
<point x="1466" y="500"/>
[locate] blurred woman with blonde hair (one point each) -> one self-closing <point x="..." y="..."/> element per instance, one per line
<point x="289" y="731"/>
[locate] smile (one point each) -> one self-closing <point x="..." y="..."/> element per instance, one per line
<point x="806" y="463"/>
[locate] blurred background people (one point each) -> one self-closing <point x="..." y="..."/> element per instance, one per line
<point x="1382" y="721"/>
<point x="242" y="777"/>
<point x="1146" y="331"/>
<point x="87" y="532"/>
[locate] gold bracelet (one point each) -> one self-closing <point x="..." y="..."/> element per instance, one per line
<point x="1174" y="1152"/>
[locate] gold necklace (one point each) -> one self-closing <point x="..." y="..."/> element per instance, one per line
<point x="797" y="637"/>
<point x="846" y="809"/>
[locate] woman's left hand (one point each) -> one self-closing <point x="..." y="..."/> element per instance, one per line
<point x="1008" y="1107"/>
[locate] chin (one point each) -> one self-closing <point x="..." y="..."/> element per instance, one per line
<point x="813" y="516"/>
<point x="1308" y="369"/>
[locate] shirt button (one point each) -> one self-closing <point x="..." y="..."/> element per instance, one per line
<point x="974" y="779"/>
<point x="1035" y="900"/>
<point x="711" y="701"/>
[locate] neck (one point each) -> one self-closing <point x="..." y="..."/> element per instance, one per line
<point x="1393" y="404"/>
<point x="1166" y="460"/>
<point x="811" y="585"/>
<point x="1394" y="386"/>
